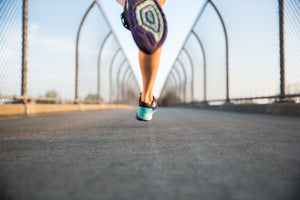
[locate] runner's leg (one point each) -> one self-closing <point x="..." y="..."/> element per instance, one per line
<point x="149" y="65"/>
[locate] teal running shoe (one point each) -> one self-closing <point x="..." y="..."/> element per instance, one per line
<point x="145" y="111"/>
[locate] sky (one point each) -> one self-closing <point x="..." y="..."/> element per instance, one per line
<point x="56" y="33"/>
<point x="253" y="47"/>
<point x="178" y="28"/>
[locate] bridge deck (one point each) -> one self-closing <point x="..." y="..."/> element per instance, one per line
<point x="182" y="154"/>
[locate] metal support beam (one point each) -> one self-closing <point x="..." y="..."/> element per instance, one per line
<point x="226" y="49"/>
<point x="204" y="66"/>
<point x="137" y="87"/>
<point x="282" y="51"/>
<point x="185" y="79"/>
<point x="193" y="72"/>
<point x="176" y="87"/>
<point x="77" y="50"/>
<point x="165" y="87"/>
<point x="126" y="83"/>
<point x="110" y="73"/>
<point x="193" y="26"/>
<point x="118" y="79"/>
<point x="123" y="81"/>
<point x="99" y="5"/>
<point x="169" y="87"/>
<point x="99" y="64"/>
<point x="180" y="82"/>
<point x="24" y="51"/>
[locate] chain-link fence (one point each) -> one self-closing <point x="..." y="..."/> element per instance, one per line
<point x="10" y="47"/>
<point x="65" y="53"/>
<point x="292" y="45"/>
<point x="239" y="51"/>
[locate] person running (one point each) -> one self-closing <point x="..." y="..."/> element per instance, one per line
<point x="147" y="23"/>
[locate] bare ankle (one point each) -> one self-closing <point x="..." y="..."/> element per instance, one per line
<point x="147" y="98"/>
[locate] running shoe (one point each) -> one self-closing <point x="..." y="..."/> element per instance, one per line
<point x="145" y="111"/>
<point x="147" y="23"/>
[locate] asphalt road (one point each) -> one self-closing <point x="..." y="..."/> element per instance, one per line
<point x="183" y="153"/>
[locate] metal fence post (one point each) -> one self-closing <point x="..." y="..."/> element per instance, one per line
<point x="193" y="73"/>
<point x="127" y="85"/>
<point x="77" y="50"/>
<point x="99" y="65"/>
<point x="165" y="87"/>
<point x="282" y="51"/>
<point x="24" y="51"/>
<point x="175" y="88"/>
<point x="204" y="67"/>
<point x="110" y="73"/>
<point x="180" y="82"/>
<point x="185" y="79"/>
<point x="227" y="49"/>
<point x="123" y="82"/>
<point x="118" y="80"/>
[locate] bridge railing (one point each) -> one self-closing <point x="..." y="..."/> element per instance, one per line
<point x="238" y="51"/>
<point x="57" y="51"/>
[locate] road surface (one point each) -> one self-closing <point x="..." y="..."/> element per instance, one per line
<point x="183" y="153"/>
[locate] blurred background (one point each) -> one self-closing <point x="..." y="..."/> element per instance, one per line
<point x="216" y="51"/>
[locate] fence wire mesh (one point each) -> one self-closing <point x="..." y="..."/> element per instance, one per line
<point x="292" y="50"/>
<point x="253" y="72"/>
<point x="253" y="48"/>
<point x="10" y="47"/>
<point x="53" y="29"/>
